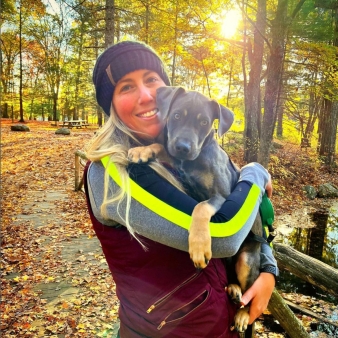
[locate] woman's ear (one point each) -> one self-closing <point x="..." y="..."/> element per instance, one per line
<point x="165" y="96"/>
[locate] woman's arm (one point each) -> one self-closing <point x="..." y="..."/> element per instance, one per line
<point x="148" y="218"/>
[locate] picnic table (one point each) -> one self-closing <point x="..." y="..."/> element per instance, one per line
<point x="74" y="123"/>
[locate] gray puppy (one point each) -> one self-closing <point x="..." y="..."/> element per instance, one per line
<point x="209" y="175"/>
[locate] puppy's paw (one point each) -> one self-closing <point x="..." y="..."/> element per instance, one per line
<point x="235" y="292"/>
<point x="241" y="320"/>
<point x="200" y="248"/>
<point x="140" y="154"/>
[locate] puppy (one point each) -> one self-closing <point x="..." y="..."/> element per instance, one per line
<point x="209" y="175"/>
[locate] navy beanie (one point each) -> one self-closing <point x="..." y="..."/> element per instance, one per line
<point x="119" y="60"/>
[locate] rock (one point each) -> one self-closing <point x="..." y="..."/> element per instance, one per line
<point x="310" y="191"/>
<point x="63" y="131"/>
<point x="327" y="190"/>
<point x="275" y="146"/>
<point x="20" y="127"/>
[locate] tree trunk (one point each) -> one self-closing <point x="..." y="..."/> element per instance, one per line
<point x="281" y="311"/>
<point x="173" y="68"/>
<point x="78" y="74"/>
<point x="146" y="39"/>
<point x="328" y="131"/>
<point x="274" y="72"/>
<point x="20" y="53"/>
<point x="253" y="101"/>
<point x="5" y="111"/>
<point x="330" y="119"/>
<point x="55" y="101"/>
<point x="109" y="17"/>
<point x="307" y="268"/>
<point x="230" y="81"/>
<point x="280" y="114"/>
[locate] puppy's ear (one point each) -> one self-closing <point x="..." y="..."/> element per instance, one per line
<point x="165" y="96"/>
<point x="225" y="117"/>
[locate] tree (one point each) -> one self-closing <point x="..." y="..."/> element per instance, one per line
<point x="253" y="91"/>
<point x="274" y="76"/>
<point x="9" y="52"/>
<point x="52" y="33"/>
<point x="329" y="114"/>
<point x="110" y="23"/>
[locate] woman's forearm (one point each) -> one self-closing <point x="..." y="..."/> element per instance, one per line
<point x="150" y="224"/>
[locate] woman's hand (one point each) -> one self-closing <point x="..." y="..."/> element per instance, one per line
<point x="259" y="294"/>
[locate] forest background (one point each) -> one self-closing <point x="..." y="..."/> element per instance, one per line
<point x="273" y="62"/>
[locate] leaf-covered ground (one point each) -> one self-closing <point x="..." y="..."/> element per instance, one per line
<point x="55" y="282"/>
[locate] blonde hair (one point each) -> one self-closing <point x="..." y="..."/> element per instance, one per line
<point x="114" y="139"/>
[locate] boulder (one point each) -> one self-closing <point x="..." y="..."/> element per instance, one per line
<point x="327" y="190"/>
<point x="20" y="127"/>
<point x="310" y="191"/>
<point x="63" y="131"/>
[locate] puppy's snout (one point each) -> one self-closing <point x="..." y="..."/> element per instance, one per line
<point x="183" y="146"/>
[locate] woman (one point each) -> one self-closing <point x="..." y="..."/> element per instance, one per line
<point x="140" y="213"/>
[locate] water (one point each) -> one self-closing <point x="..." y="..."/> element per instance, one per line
<point x="314" y="233"/>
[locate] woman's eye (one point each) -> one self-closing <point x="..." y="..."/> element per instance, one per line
<point x="125" y="88"/>
<point x="204" y="122"/>
<point x="177" y="116"/>
<point x="152" y="79"/>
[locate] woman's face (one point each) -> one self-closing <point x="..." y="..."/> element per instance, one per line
<point x="134" y="101"/>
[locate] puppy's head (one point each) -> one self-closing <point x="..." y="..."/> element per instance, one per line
<point x="190" y="117"/>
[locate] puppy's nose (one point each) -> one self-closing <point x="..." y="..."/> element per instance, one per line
<point x="183" y="146"/>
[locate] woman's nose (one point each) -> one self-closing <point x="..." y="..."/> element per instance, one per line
<point x="145" y="95"/>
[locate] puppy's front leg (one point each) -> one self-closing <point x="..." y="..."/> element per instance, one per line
<point x="145" y="154"/>
<point x="199" y="235"/>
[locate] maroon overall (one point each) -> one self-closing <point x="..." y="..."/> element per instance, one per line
<point x="161" y="294"/>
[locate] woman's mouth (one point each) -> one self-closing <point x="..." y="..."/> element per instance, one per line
<point x="149" y="113"/>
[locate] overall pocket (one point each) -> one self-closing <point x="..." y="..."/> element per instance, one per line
<point x="185" y="309"/>
<point x="169" y="294"/>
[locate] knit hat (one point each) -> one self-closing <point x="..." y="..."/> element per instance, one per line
<point x="119" y="60"/>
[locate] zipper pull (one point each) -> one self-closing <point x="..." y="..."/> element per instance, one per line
<point x="151" y="309"/>
<point x="161" y="325"/>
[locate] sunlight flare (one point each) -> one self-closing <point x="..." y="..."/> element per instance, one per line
<point x="230" y="23"/>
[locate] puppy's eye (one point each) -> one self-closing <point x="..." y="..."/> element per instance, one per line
<point x="204" y="122"/>
<point x="177" y="116"/>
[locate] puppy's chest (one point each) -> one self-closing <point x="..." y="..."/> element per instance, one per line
<point x="195" y="185"/>
<point x="202" y="181"/>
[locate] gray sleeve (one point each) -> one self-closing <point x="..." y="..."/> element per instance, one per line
<point x="268" y="261"/>
<point x="150" y="225"/>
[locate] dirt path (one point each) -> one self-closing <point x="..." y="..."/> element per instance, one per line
<point x="55" y="279"/>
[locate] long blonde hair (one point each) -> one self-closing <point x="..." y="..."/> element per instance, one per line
<point x="114" y="139"/>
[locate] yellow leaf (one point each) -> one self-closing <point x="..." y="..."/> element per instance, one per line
<point x="25" y="277"/>
<point x="16" y="279"/>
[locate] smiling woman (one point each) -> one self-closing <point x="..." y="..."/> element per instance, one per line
<point x="230" y="23"/>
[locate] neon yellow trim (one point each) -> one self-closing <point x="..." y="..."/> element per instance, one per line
<point x="180" y="218"/>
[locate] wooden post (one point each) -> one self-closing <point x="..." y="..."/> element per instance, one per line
<point x="78" y="177"/>
<point x="289" y="322"/>
<point x="307" y="268"/>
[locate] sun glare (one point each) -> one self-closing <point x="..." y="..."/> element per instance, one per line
<point x="230" y="23"/>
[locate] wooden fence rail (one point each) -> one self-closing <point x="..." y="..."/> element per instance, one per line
<point x="80" y="159"/>
<point x="301" y="265"/>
